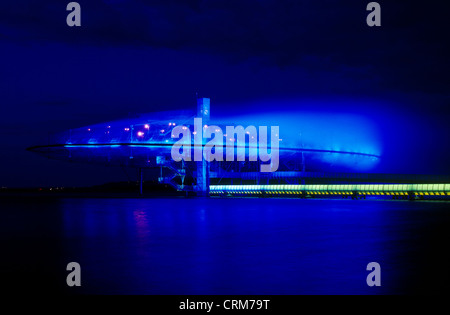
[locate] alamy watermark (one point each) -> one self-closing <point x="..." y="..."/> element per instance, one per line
<point x="235" y="141"/>
<point x="73" y="279"/>
<point x="74" y="17"/>
<point x="374" y="277"/>
<point x="373" y="18"/>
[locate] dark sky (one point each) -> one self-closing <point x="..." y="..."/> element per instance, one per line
<point x="143" y="56"/>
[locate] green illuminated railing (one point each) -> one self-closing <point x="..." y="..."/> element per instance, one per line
<point x="364" y="189"/>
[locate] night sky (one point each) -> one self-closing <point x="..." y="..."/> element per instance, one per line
<point x="133" y="57"/>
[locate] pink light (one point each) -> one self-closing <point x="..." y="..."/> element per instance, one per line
<point x="140" y="134"/>
<point x="89" y="129"/>
<point x="162" y="131"/>
<point x="170" y="124"/>
<point x="126" y="129"/>
<point x="146" y="126"/>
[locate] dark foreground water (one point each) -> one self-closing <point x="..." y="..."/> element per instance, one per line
<point x="224" y="246"/>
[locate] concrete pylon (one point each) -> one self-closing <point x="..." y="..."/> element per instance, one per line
<point x="202" y="188"/>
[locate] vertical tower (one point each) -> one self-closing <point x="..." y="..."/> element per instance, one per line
<point x="202" y="188"/>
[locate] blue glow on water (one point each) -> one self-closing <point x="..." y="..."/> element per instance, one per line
<point x="225" y="246"/>
<point x="243" y="246"/>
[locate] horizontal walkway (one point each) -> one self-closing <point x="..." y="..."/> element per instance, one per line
<point x="364" y="189"/>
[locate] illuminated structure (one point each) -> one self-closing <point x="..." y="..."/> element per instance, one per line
<point x="401" y="191"/>
<point x="311" y="147"/>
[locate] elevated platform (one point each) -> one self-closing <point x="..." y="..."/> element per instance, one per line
<point x="400" y="191"/>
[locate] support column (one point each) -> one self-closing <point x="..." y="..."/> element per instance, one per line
<point x="202" y="188"/>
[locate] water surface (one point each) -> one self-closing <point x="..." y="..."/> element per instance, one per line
<point x="224" y="246"/>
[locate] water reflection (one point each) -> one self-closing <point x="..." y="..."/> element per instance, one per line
<point x="245" y="246"/>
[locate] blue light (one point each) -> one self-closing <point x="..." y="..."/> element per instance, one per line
<point x="340" y="141"/>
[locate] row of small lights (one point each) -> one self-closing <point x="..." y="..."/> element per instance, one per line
<point x="141" y="134"/>
<point x="332" y="193"/>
